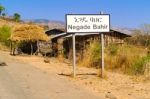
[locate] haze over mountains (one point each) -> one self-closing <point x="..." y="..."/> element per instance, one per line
<point x="60" y="24"/>
<point x="50" y="23"/>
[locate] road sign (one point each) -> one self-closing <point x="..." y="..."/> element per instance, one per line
<point x="87" y="23"/>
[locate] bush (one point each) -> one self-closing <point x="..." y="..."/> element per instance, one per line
<point x="140" y="37"/>
<point x="125" y="59"/>
<point x="113" y="49"/>
<point x="92" y="55"/>
<point x="5" y="33"/>
<point x="95" y="50"/>
<point x="138" y="67"/>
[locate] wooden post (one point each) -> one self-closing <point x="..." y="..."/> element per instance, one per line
<point x="74" y="55"/>
<point x="31" y="48"/>
<point x="38" y="48"/>
<point x="11" y="47"/>
<point x="102" y="53"/>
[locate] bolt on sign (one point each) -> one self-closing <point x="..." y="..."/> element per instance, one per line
<point x="81" y="23"/>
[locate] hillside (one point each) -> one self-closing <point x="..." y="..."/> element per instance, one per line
<point x="11" y="23"/>
<point x="7" y="22"/>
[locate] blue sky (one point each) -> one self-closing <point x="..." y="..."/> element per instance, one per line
<point x="124" y="13"/>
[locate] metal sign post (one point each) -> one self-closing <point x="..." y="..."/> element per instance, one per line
<point x="74" y="54"/>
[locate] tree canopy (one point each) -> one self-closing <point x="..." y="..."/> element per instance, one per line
<point x="140" y="36"/>
<point x="16" y="17"/>
<point x="2" y="8"/>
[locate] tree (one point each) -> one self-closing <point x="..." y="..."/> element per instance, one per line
<point x="3" y="14"/>
<point x="146" y="31"/>
<point x="2" y="8"/>
<point x="16" y="17"/>
<point x="29" y="33"/>
<point x="140" y="36"/>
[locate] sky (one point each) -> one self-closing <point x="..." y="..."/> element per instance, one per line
<point x="124" y="13"/>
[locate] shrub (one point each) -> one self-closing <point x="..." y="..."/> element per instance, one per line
<point x="113" y="49"/>
<point x="95" y="50"/>
<point x="138" y="66"/>
<point x="5" y="33"/>
<point x="125" y="59"/>
<point x="92" y="55"/>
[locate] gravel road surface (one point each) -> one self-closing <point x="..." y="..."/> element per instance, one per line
<point x="20" y="80"/>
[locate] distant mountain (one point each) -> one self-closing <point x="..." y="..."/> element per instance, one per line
<point x="46" y="21"/>
<point x="60" y="24"/>
<point x="124" y="30"/>
<point x="50" y="23"/>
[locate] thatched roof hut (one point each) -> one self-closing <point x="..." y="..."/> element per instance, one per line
<point x="28" y="33"/>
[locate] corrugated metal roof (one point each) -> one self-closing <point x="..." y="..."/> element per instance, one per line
<point x="121" y="31"/>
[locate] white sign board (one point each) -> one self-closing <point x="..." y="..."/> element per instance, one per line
<point x="87" y="23"/>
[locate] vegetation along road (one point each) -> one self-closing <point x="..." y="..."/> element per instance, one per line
<point x="21" y="80"/>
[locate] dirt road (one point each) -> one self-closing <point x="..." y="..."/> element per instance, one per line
<point x="22" y="80"/>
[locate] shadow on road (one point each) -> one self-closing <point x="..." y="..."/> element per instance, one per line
<point x="62" y="74"/>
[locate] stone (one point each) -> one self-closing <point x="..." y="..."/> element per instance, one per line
<point x="47" y="60"/>
<point x="3" y="64"/>
<point x="110" y="96"/>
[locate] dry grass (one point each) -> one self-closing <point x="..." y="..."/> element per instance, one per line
<point x="8" y="23"/>
<point x="28" y="32"/>
<point x="124" y="58"/>
<point x="92" y="55"/>
<point x="3" y="47"/>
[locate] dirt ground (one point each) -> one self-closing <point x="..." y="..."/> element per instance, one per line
<point x="22" y="80"/>
<point x="119" y="85"/>
<point x="113" y="86"/>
